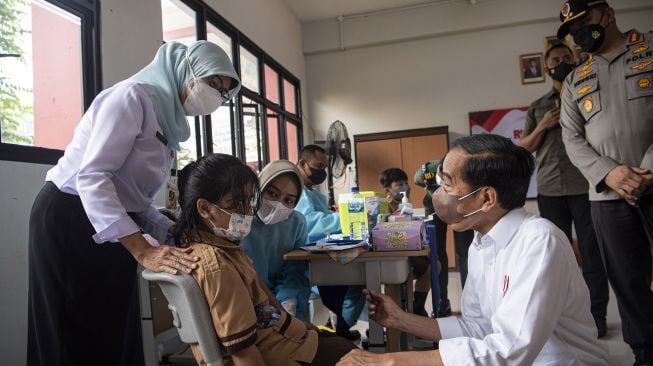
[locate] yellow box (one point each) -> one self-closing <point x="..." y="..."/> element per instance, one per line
<point x="375" y="203"/>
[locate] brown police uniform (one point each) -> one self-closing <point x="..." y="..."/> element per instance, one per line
<point x="232" y="288"/>
<point x="607" y="120"/>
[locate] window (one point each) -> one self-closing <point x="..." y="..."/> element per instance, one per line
<point x="292" y="142"/>
<point x="271" y="85"/>
<point x="263" y="123"/>
<point x="178" y="22"/>
<point x="47" y="78"/>
<point x="289" y="97"/>
<point x="249" y="70"/>
<point x="252" y="127"/>
<point x="273" y="136"/>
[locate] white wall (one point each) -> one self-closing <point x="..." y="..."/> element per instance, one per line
<point x="131" y="33"/>
<point x="432" y="66"/>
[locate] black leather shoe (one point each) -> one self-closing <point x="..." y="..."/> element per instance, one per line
<point x="342" y="329"/>
<point x="352" y="335"/>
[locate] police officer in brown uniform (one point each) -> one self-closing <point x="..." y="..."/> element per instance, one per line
<point x="607" y="129"/>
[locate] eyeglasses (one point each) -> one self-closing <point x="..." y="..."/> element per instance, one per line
<point x="216" y="83"/>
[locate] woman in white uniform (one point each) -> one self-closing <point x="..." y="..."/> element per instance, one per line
<point x="83" y="299"/>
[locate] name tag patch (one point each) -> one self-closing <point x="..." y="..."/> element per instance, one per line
<point x="634" y="58"/>
<point x="585" y="79"/>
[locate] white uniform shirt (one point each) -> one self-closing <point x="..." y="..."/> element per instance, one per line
<point x="525" y="301"/>
<point x="116" y="163"/>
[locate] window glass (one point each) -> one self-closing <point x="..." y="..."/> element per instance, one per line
<point x="271" y="85"/>
<point x="289" y="97"/>
<point x="178" y="22"/>
<point x="41" y="98"/>
<point x="188" y="149"/>
<point x="273" y="135"/>
<point x="292" y="141"/>
<point x="221" y="129"/>
<point x="249" y="70"/>
<point x="218" y="37"/>
<point x="252" y="128"/>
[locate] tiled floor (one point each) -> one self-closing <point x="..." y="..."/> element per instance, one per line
<point x="618" y="350"/>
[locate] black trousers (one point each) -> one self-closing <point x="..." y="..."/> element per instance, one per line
<point x="627" y="256"/>
<point x="564" y="210"/>
<point x="330" y="349"/>
<point x="83" y="297"/>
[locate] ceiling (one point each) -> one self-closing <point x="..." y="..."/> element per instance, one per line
<point x="309" y="10"/>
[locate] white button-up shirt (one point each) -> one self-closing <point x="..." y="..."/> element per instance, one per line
<point x="525" y="301"/>
<point x="116" y="163"/>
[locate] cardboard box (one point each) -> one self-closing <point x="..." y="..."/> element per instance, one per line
<point x="375" y="203"/>
<point x="390" y="236"/>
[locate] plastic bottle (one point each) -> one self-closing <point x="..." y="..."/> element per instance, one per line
<point x="357" y="216"/>
<point x="405" y="207"/>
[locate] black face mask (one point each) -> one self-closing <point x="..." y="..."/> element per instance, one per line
<point x="317" y="176"/>
<point x="560" y="72"/>
<point x="590" y="37"/>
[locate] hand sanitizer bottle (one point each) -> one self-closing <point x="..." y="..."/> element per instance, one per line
<point x="405" y="208"/>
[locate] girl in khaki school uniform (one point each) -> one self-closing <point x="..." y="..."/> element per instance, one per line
<point x="218" y="195"/>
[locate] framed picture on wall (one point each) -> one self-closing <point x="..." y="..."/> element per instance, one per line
<point x="508" y="122"/>
<point x="550" y="41"/>
<point x="531" y="68"/>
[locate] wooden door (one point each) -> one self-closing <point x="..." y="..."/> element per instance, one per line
<point x="373" y="157"/>
<point x="417" y="150"/>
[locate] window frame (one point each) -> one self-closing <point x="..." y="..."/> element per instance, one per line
<point x="206" y="14"/>
<point x="89" y="14"/>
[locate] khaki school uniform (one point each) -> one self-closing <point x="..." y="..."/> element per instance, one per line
<point x="233" y="291"/>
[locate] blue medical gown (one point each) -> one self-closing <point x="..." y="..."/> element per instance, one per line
<point x="320" y="221"/>
<point x="266" y="245"/>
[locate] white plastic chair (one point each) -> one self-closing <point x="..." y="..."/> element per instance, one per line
<point x="190" y="312"/>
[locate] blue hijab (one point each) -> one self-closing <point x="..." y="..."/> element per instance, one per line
<point x="169" y="73"/>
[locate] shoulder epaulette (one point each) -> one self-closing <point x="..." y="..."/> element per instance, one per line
<point x="634" y="37"/>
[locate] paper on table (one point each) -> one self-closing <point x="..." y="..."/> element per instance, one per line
<point x="328" y="247"/>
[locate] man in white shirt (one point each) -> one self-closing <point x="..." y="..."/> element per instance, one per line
<point x="525" y="301"/>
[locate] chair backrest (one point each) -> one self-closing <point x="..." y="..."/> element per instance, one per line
<point x="190" y="312"/>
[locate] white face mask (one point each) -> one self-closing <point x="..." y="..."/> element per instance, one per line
<point x="239" y="226"/>
<point x="202" y="99"/>
<point x="272" y="212"/>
